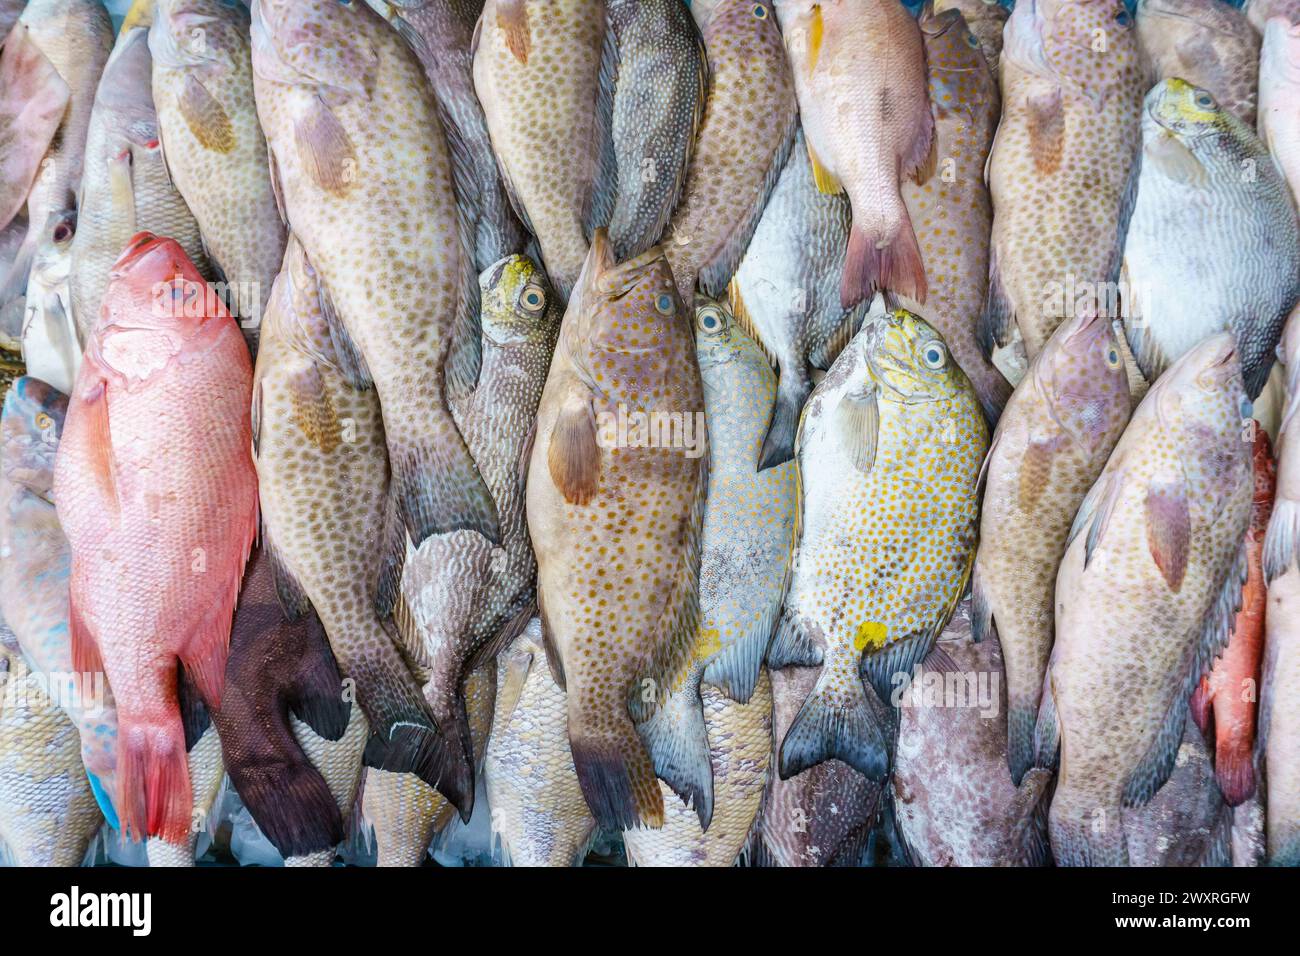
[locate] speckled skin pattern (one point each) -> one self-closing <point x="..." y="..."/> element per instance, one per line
<point x="822" y="816"/>
<point x="123" y="122"/>
<point x="324" y="483"/>
<point x="1214" y="242"/>
<point x="1060" y="162"/>
<point x="1279" y="94"/>
<point x="48" y="815"/>
<point x="749" y="119"/>
<point x="1050" y="445"/>
<point x="213" y="144"/>
<point x="951" y="211"/>
<point x="1208" y="43"/>
<point x="35" y="564"/>
<point x="954" y="801"/>
<point x="441" y="33"/>
<point x="358" y="152"/>
<point x="658" y="103"/>
<point x="884" y="554"/>
<point x="740" y="750"/>
<point x="1259" y="12"/>
<point x="541" y="114"/>
<point x="985" y="19"/>
<point x="538" y="811"/>
<point x="1138" y="624"/>
<point x="618" y="558"/>
<point x="157" y="551"/>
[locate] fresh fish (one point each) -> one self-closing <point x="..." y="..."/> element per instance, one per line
<point x="750" y="116"/>
<point x="157" y="552"/>
<point x="206" y="770"/>
<point x="537" y="72"/>
<point x="786" y="292"/>
<point x="357" y="149"/>
<point x="951" y="210"/>
<point x="47" y="811"/>
<point x="463" y="598"/>
<point x="213" y="145"/>
<point x="276" y="668"/>
<point x="1208" y="43"/>
<point x="57" y="53"/>
<point x="339" y="763"/>
<point x="1213" y="242"/>
<point x="615" y="500"/>
<point x="823" y="816"/>
<point x="1228" y="694"/>
<point x="34" y="567"/>
<point x="859" y="71"/>
<point x="324" y="484"/>
<point x="1145" y="597"/>
<point x="538" y="810"/>
<point x="985" y="19"/>
<point x="404" y="811"/>
<point x="1259" y="12"/>
<point x="1058" y="173"/>
<point x="1051" y="443"/>
<point x="889" y="452"/>
<point x="740" y="749"/>
<point x="659" y="86"/>
<point x="953" y="800"/>
<point x="1279" y="90"/>
<point x="441" y="34"/>
<point x="125" y="187"/>
<point x="51" y="350"/>
<point x="702" y="10"/>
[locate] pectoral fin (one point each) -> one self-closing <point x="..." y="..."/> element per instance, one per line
<point x="574" y="455"/>
<point x="858" y="419"/>
<point x="206" y="118"/>
<point x="1169" y="530"/>
<point x="1046" y="131"/>
<point x="325" y="149"/>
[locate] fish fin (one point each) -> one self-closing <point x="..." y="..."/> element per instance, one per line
<point x="277" y="190"/>
<point x="1028" y="815"/>
<point x="513" y="669"/>
<point x="86" y="658"/>
<point x="1200" y="705"/>
<point x="465" y="356"/>
<point x="1127" y="200"/>
<point x="739" y="312"/>
<point x="1047" y="729"/>
<point x="526" y="456"/>
<point x="325" y="149"/>
<point x="100" y="440"/>
<point x="1148" y="353"/>
<point x="858" y="419"/>
<point x="574" y="454"/>
<point x="15" y="285"/>
<point x="293" y="807"/>
<point x="104" y="801"/>
<point x="715" y="275"/>
<point x="195" y="718"/>
<point x="392" y="557"/>
<point x="778" y="443"/>
<point x="348" y="359"/>
<point x="823" y="178"/>
<point x="602" y="195"/>
<point x="816" y="32"/>
<point x="844" y="723"/>
<point x="1282" y="540"/>
<point x="553" y="659"/>
<point x="822" y="355"/>
<point x="870" y="266"/>
<point x="503" y="638"/>
<point x="512" y="20"/>
<point x="1094" y="514"/>
<point x="208" y="644"/>
<point x="981" y="612"/>
<point x="33" y="100"/>
<point x="734" y="670"/>
<point x="993" y="327"/>
<point x="154" y="777"/>
<point x="512" y="194"/>
<point x="1035" y="471"/>
<point x="205" y="116"/>
<point x="315" y="692"/>
<point x="678" y="744"/>
<point x="615" y="774"/>
<point x="1234" y="768"/>
<point x="792" y="646"/>
<point x="1021" y="721"/>
<point x="929" y="160"/>
<point x="1169" y="529"/>
<point x="896" y="660"/>
<point x="1046" y="130"/>
<point x="1175" y="161"/>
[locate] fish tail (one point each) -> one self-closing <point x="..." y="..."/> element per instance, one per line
<point x="1084" y="832"/>
<point x="1234" y="768"/>
<point x="1282" y="540"/>
<point x="154" y="778"/>
<point x="778" y="444"/>
<point x="458" y="748"/>
<point x="678" y="743"/>
<point x="883" y="258"/>
<point x="1200" y="706"/>
<point x="291" y="803"/>
<point x="440" y="489"/>
<point x="614" y="770"/>
<point x="1020" y="740"/>
<point x="842" y="719"/>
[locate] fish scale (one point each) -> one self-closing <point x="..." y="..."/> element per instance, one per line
<point x="1279" y="87"/>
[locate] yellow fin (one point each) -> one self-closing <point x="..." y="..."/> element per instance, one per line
<point x="205" y="117"/>
<point x="816" y="28"/>
<point x="743" y="319"/>
<point x="826" y="180"/>
<point x="140" y="15"/>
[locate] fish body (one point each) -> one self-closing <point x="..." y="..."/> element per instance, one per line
<point x="358" y="150"/>
<point x="51" y="350"/>
<point x="1208" y="43"/>
<point x="786" y="291"/>
<point x="859" y="70"/>
<point x="750" y="115"/>
<point x="1213" y="241"/>
<point x="950" y="211"/>
<point x="1279" y="91"/>
<point x="157" y="552"/>
<point x="538" y="810"/>
<point x="441" y="34"/>
<point x="1259" y="12"/>
<point x="1072" y="87"/>
<point x="125" y="185"/>
<point x="537" y="73"/>
<point x="890" y="449"/>
<point x="213" y="144"/>
<point x="658" y="100"/>
<point x="986" y="19"/>
<point x="1049" y="447"/>
<point x="621" y="437"/>
<point x="1145" y="596"/>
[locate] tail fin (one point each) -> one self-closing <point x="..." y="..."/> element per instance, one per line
<point x="1020" y="740"/>
<point x="440" y="489"/>
<point x="1201" y="704"/>
<point x="614" y="771"/>
<point x="880" y="259"/>
<point x="1234" y="768"/>
<point x="678" y="744"/>
<point x="154" y="777"/>
<point x="778" y="445"/>
<point x="1084" y="833"/>
<point x="458" y="749"/>
<point x="841" y="719"/>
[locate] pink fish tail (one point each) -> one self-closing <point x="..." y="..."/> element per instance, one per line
<point x="884" y="256"/>
<point x="154" y="777"/>
<point x="1234" y="768"/>
<point x="1201" y="704"/>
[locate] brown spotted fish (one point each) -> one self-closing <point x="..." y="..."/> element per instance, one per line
<point x="616" y="491"/>
<point x="985" y="19"/>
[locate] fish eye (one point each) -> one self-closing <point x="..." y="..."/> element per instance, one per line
<point x="43" y="421"/>
<point x="934" y="355"/>
<point x="664" y="303"/>
<point x="1204" y="100"/>
<point x="62" y="233"/>
<point x="710" y="319"/>
<point x="972" y="41"/>
<point x="1112" y="357"/>
<point x="532" y="299"/>
<point x="1122" y="18"/>
<point x="760" y="11"/>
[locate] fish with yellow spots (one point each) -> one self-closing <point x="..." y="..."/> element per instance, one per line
<point x="615" y="504"/>
<point x="889" y="455"/>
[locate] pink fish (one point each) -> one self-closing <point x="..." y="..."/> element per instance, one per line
<point x="157" y="494"/>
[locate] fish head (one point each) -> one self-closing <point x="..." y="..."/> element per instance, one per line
<point x="1088" y="46"/>
<point x="959" y="72"/>
<point x="1184" y="111"/>
<point x="519" y="305"/>
<point x="718" y="339"/>
<point x="1203" y="391"/>
<point x="316" y="43"/>
<point x="196" y="33"/>
<point x="53" y="257"/>
<point x="1279" y="56"/>
<point x="908" y="360"/>
<point x="1081" y="375"/>
<point x="30" y="425"/>
<point x="749" y="23"/>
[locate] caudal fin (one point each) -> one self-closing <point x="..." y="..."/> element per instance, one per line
<point x="678" y="743"/>
<point x="842" y="719"/>
<point x="778" y="444"/>
<point x="1020" y="740"/>
<point x="880" y="259"/>
<point x="614" y="771"/>
<point x="154" y="778"/>
<point x="440" y="490"/>
<point x="1085" y="833"/>
<point x="1234" y="768"/>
